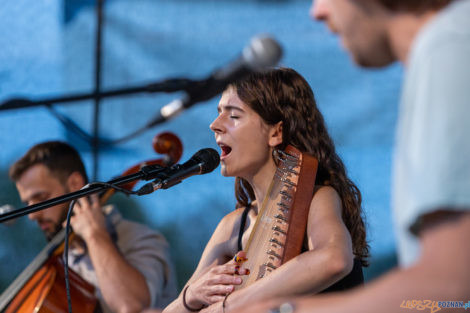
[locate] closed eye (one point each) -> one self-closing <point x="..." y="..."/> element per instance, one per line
<point x="37" y="197"/>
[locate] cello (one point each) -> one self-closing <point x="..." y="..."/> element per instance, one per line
<point x="41" y="286"/>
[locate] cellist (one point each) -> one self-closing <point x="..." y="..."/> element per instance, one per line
<point x="257" y="118"/>
<point x="127" y="262"/>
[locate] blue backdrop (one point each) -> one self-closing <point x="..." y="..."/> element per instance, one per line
<point x="47" y="49"/>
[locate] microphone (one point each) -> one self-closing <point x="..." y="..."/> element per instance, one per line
<point x="202" y="162"/>
<point x="262" y="52"/>
<point x="7" y="208"/>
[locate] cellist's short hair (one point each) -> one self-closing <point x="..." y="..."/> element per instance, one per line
<point x="414" y="5"/>
<point x="59" y="157"/>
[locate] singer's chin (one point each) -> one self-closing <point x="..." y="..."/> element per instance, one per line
<point x="223" y="170"/>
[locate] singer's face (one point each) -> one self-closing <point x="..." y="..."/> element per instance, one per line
<point x="244" y="138"/>
<point x="37" y="184"/>
<point x="361" y="27"/>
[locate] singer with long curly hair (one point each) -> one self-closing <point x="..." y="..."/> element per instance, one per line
<point x="257" y="117"/>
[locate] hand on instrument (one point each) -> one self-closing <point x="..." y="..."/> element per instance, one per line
<point x="216" y="283"/>
<point x="88" y="220"/>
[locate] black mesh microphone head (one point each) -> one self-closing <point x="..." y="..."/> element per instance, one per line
<point x="208" y="158"/>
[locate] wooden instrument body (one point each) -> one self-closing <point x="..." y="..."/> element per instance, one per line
<point x="41" y="286"/>
<point x="45" y="291"/>
<point x="279" y="230"/>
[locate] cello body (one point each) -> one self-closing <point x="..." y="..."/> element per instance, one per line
<point x="41" y="286"/>
<point x="45" y="291"/>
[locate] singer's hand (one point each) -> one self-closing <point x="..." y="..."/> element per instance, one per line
<point x="88" y="221"/>
<point x="216" y="283"/>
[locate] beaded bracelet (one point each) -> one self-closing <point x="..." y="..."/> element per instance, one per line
<point x="187" y="307"/>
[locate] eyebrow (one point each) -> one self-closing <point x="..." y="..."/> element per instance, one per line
<point x="35" y="196"/>
<point x="229" y="108"/>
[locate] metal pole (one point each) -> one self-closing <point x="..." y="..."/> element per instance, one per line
<point x="97" y="100"/>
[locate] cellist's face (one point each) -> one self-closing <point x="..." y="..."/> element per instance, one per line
<point x="38" y="184"/>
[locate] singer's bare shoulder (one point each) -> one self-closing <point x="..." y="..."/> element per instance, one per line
<point x="231" y="221"/>
<point x="227" y="231"/>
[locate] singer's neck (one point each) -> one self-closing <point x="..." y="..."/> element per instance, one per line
<point x="262" y="180"/>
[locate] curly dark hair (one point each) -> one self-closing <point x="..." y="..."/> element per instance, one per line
<point x="284" y="95"/>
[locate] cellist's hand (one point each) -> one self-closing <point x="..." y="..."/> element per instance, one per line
<point x="88" y="220"/>
<point x="216" y="283"/>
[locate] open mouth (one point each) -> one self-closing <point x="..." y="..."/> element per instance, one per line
<point x="225" y="150"/>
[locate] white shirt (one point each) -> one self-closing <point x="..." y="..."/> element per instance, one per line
<point x="432" y="160"/>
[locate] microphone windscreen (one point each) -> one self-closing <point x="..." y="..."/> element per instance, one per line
<point x="262" y="52"/>
<point x="209" y="158"/>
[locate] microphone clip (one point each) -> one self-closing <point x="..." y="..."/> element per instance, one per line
<point x="161" y="179"/>
<point x="149" y="187"/>
<point x="202" y="162"/>
<point x="149" y="172"/>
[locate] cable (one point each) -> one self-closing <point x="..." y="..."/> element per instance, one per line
<point x="67" y="231"/>
<point x="66" y="251"/>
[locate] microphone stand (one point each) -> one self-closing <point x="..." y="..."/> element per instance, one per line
<point x="97" y="100"/>
<point x="168" y="85"/>
<point x="148" y="172"/>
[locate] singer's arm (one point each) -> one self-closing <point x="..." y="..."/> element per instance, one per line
<point x="441" y="274"/>
<point x="213" y="277"/>
<point x="328" y="260"/>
